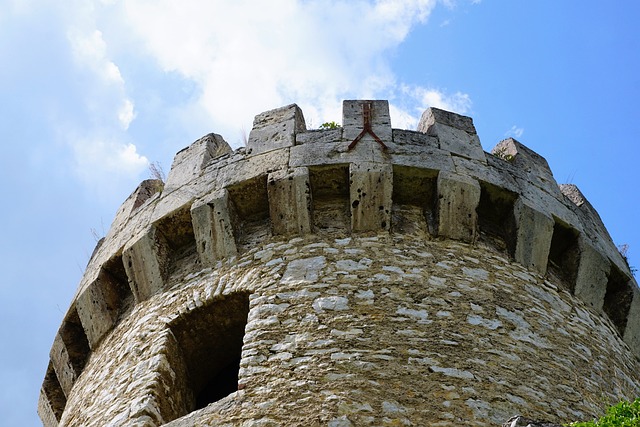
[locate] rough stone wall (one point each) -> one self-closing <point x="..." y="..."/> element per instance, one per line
<point x="386" y="277"/>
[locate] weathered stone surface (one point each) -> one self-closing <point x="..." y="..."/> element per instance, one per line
<point x="146" y="262"/>
<point x="290" y="201"/>
<point x="353" y="120"/>
<point x="357" y="315"/>
<point x="98" y="307"/>
<point x="213" y="228"/>
<point x="371" y="188"/>
<point x="534" y="234"/>
<point x="455" y="133"/>
<point x="591" y="281"/>
<point x="276" y="129"/>
<point x="458" y="198"/>
<point x="189" y="162"/>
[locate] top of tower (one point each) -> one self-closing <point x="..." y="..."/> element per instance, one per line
<point x="289" y="180"/>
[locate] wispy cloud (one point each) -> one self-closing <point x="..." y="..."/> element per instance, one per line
<point x="247" y="57"/>
<point x="515" y="132"/>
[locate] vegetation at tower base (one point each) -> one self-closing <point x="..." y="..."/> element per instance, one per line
<point x="624" y="414"/>
<point x="361" y="275"/>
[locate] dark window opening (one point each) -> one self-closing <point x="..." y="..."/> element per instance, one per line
<point x="330" y="208"/>
<point x="177" y="230"/>
<point x="75" y="341"/>
<point x="249" y="204"/>
<point x="118" y="296"/>
<point x="221" y="385"/>
<point x="210" y="340"/>
<point x="53" y="392"/>
<point x="414" y="200"/>
<point x="496" y="222"/>
<point x="564" y="255"/>
<point x="617" y="299"/>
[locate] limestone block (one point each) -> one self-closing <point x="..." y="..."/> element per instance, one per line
<point x="189" y="162"/>
<point x="631" y="334"/>
<point x="289" y="201"/>
<point x="406" y="138"/>
<point x="98" y="307"/>
<point x="458" y="198"/>
<point x="455" y="133"/>
<point x="62" y="364"/>
<point x="370" y="194"/>
<point x="533" y="166"/>
<point x="593" y="226"/>
<point x="213" y="227"/>
<point x="533" y="239"/>
<point x="45" y="411"/>
<point x="591" y="280"/>
<point x="428" y="158"/>
<point x="479" y="170"/>
<point x="146" y="189"/>
<point x="276" y="129"/>
<point x="69" y="351"/>
<point x="146" y="263"/>
<point x="319" y="136"/>
<point x="353" y="120"/>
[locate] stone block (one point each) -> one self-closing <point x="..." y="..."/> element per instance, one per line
<point x="534" y="231"/>
<point x="353" y="120"/>
<point x="213" y="228"/>
<point x="146" y="263"/>
<point x="276" y="129"/>
<point x="98" y="307"/>
<point x="631" y="334"/>
<point x="458" y="198"/>
<point x="592" y="277"/>
<point x="406" y="138"/>
<point x="370" y="191"/>
<point x="529" y="163"/>
<point x="46" y="412"/>
<point x="455" y="133"/>
<point x="189" y="162"/>
<point x="289" y="201"/>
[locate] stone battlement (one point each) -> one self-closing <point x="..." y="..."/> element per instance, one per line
<point x="362" y="179"/>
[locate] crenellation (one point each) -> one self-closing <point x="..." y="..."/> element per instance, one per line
<point x="320" y="229"/>
<point x="455" y="133"/>
<point x="189" y="163"/>
<point x="276" y="129"/>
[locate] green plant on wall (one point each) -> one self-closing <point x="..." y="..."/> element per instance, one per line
<point x="624" y="414"/>
<point x="329" y="125"/>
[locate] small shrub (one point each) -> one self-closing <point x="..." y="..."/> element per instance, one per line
<point x="624" y="414"/>
<point x="329" y="125"/>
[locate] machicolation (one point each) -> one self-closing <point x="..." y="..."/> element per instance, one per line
<point x="356" y="276"/>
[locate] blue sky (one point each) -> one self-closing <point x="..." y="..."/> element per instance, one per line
<point x="91" y="91"/>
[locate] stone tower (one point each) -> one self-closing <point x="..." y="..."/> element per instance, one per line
<point x="355" y="276"/>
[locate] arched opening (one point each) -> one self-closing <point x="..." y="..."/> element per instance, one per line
<point x="210" y="341"/>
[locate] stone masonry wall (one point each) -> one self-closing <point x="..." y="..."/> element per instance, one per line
<point x="361" y="276"/>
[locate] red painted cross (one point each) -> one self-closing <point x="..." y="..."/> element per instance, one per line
<point x="366" y="127"/>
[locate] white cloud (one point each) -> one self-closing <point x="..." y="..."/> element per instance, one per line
<point x="105" y="164"/>
<point x="90" y="51"/>
<point x="126" y="114"/>
<point x="515" y="132"/>
<point x="247" y="56"/>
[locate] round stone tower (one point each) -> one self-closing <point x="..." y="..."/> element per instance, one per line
<point x="355" y="276"/>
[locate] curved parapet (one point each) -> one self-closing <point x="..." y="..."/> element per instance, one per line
<point x="362" y="179"/>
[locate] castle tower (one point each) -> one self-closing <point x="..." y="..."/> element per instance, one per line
<point x="355" y="276"/>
